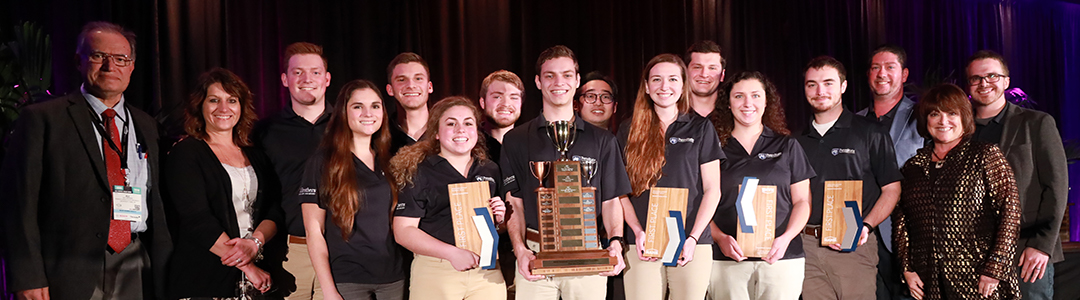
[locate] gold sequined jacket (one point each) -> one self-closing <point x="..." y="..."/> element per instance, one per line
<point x="959" y="220"/>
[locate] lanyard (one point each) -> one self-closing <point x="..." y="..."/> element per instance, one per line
<point x="99" y="124"/>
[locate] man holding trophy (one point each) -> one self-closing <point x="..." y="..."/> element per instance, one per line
<point x="562" y="178"/>
<point x="852" y="157"/>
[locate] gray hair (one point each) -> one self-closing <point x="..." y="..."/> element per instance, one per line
<point x="106" y="27"/>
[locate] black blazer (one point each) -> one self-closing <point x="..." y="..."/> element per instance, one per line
<point x="198" y="197"/>
<point x="55" y="200"/>
<point x="1032" y="145"/>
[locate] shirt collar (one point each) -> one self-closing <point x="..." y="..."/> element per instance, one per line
<point x="435" y="159"/>
<point x="767" y="132"/>
<point x="1001" y="114"/>
<point x="289" y="113"/>
<point x="543" y="122"/>
<point x="683" y="117"/>
<point x="892" y="112"/>
<point x="99" y="107"/>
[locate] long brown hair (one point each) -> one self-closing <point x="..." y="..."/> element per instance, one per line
<point x="724" y="120"/>
<point x="404" y="164"/>
<point x="195" y="124"/>
<point x="339" y="191"/>
<point x="645" y="143"/>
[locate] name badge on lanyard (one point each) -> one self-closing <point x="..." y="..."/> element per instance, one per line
<point x="127" y="203"/>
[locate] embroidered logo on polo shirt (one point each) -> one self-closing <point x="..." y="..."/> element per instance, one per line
<point x="306" y="191"/>
<point x="838" y="151"/>
<point x="484" y="178"/>
<point x="509" y="179"/>
<point x="675" y="140"/>
<point x="764" y="156"/>
<point x="400" y="206"/>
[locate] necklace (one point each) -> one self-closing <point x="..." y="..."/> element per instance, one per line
<point x="941" y="161"/>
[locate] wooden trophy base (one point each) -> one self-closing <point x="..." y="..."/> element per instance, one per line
<point x="573" y="263"/>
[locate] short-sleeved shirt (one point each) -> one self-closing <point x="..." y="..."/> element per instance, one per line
<point x="775" y="160"/>
<point x="690" y="142"/>
<point x="530" y="142"/>
<point x="855" y="148"/>
<point x="428" y="197"/>
<point x="370" y="256"/>
<point x="289" y="140"/>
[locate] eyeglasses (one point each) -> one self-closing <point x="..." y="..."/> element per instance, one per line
<point x="120" y="60"/>
<point x="990" y="78"/>
<point x="591" y="98"/>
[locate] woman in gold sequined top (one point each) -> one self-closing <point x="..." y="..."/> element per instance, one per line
<point x="959" y="214"/>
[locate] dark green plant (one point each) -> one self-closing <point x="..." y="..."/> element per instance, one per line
<point x="25" y="71"/>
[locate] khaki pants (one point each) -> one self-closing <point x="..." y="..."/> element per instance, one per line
<point x="593" y="287"/>
<point x="298" y="263"/>
<point x="832" y="274"/>
<point x="434" y="278"/>
<point x="757" y="280"/>
<point x="648" y="280"/>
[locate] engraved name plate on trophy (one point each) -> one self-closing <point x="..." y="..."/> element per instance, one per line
<point x="757" y="218"/>
<point x="834" y="228"/>
<point x="569" y="227"/>
<point x="474" y="226"/>
<point x="663" y="202"/>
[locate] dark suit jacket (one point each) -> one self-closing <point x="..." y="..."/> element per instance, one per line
<point x="56" y="201"/>
<point x="198" y="197"/>
<point x="1032" y="145"/>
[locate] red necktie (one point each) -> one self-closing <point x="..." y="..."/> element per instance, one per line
<point x="119" y="231"/>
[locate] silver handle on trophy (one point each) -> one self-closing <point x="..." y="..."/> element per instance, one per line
<point x="588" y="169"/>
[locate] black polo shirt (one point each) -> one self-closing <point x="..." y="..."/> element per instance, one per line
<point x="529" y="142"/>
<point x="775" y="160"/>
<point x="398" y="138"/>
<point x="428" y="198"/>
<point x="990" y="130"/>
<point x="690" y="142"/>
<point x="370" y="256"/>
<point x="884" y="119"/>
<point x="855" y="148"/>
<point x="288" y="140"/>
<point x="494" y="147"/>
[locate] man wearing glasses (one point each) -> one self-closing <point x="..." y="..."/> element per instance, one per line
<point x="596" y="101"/>
<point x="81" y="213"/>
<point x="1029" y="140"/>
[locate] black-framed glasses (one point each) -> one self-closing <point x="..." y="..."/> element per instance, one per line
<point x="604" y="98"/>
<point x="990" y="78"/>
<point x="120" y="60"/>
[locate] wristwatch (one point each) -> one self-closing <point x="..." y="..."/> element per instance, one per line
<point x="616" y="238"/>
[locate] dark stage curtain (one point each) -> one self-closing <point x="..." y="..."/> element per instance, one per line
<point x="464" y="40"/>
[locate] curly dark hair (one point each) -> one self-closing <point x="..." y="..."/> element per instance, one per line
<point x="724" y="119"/>
<point x="195" y="124"/>
<point x="404" y="164"/>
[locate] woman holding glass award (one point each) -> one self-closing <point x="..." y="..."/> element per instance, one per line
<point x="221" y="195"/>
<point x="449" y="155"/>
<point x="348" y="201"/>
<point x="766" y="196"/>
<point x="673" y="161"/>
